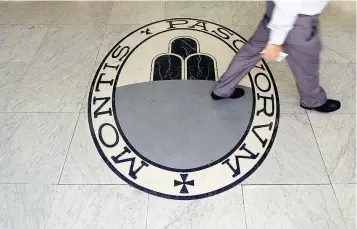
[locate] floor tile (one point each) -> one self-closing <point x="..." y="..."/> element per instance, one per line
<point x="291" y="108"/>
<point x="336" y="136"/>
<point x="339" y="44"/>
<point x="143" y="12"/>
<point x="25" y="206"/>
<point x="18" y="43"/>
<point x="33" y="147"/>
<point x="84" y="165"/>
<point x="292" y="207"/>
<point x="339" y="82"/>
<point x="112" y="36"/>
<point x="65" y="43"/>
<point x="11" y="75"/>
<point x="225" y="13"/>
<point x="81" y="13"/>
<point x="294" y="160"/>
<point x="27" y="12"/>
<point x="331" y="16"/>
<point x="346" y="197"/>
<point x="52" y="87"/>
<point x="98" y="207"/>
<point x="224" y="211"/>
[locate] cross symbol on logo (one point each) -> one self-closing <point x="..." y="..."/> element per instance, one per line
<point x="184" y="182"/>
<point x="147" y="31"/>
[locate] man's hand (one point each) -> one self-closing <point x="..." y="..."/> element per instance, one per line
<point x="271" y="52"/>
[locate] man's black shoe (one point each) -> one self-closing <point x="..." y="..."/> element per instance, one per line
<point x="330" y="106"/>
<point x="238" y="92"/>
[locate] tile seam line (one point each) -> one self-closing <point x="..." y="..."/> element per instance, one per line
<point x="93" y="184"/>
<point x="78" y="116"/>
<point x="38" y="112"/>
<point x="110" y="16"/>
<point x="318" y="146"/>
<point x="76" y="112"/>
<point x="63" y="184"/>
<point x="101" y="43"/>
<point x="246" y="185"/>
<point x="50" y="210"/>
<point x="147" y="211"/>
<point x="58" y="24"/>
<point x="69" y="147"/>
<point x="74" y="130"/>
<point x="80" y="112"/>
<point x="245" y="213"/>
<point x="339" y="206"/>
<point x="333" y="190"/>
<point x="54" y="184"/>
<point x="4" y="24"/>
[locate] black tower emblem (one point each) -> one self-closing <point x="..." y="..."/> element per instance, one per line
<point x="184" y="61"/>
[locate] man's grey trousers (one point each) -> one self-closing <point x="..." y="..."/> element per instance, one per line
<point x="303" y="47"/>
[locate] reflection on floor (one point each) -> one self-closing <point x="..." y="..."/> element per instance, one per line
<point x="52" y="176"/>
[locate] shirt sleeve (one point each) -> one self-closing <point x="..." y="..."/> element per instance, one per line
<point x="283" y="19"/>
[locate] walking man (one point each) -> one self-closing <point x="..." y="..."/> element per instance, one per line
<point x="290" y="27"/>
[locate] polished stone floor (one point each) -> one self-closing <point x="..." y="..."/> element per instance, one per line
<point x="52" y="176"/>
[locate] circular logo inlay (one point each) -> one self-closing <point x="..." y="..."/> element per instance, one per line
<point x="154" y="123"/>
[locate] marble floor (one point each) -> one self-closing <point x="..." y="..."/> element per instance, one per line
<point x="52" y="175"/>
